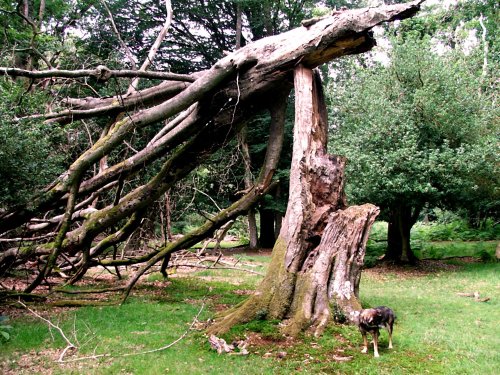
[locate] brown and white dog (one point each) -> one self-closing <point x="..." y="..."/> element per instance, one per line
<point x="370" y="321"/>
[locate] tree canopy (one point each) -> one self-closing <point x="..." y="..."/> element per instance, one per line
<point x="420" y="131"/>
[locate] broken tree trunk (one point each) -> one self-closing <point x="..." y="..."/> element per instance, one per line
<point x="316" y="265"/>
<point x="209" y="109"/>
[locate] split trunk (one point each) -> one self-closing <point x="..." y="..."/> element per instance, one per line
<point x="316" y="263"/>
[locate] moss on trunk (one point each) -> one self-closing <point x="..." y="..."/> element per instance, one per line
<point x="271" y="300"/>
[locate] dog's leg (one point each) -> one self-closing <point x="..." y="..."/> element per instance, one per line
<point x="375" y="343"/>
<point x="365" y="343"/>
<point x="389" y="329"/>
<point x="390" y="337"/>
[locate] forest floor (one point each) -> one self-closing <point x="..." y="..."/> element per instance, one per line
<point x="439" y="330"/>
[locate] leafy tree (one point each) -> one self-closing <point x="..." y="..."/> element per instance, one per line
<point x="417" y="132"/>
<point x="31" y="152"/>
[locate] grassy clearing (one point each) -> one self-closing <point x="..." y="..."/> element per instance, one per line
<point x="437" y="332"/>
<point x="439" y="241"/>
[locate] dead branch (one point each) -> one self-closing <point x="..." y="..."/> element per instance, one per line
<point x="107" y="355"/>
<point x="221" y="346"/>
<point x="27" y="239"/>
<point x="58" y="242"/>
<point x="193" y="265"/>
<point x="69" y="345"/>
<point x="42" y="224"/>
<point x="89" y="291"/>
<point x="102" y="73"/>
<point x="253" y="77"/>
<point x="195" y="236"/>
<point x="476" y="295"/>
<point x="118" y="35"/>
<point x="155" y="46"/>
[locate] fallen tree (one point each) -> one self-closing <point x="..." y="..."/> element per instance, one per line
<point x="205" y="110"/>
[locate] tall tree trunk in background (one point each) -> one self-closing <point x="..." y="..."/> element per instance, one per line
<point x="401" y="220"/>
<point x="267" y="220"/>
<point x="253" y="239"/>
<point x="248" y="180"/>
<point x="317" y="258"/>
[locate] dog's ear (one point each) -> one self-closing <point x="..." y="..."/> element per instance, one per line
<point x="368" y="315"/>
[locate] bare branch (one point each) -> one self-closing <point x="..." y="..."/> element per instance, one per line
<point x="69" y="345"/>
<point x="42" y="224"/>
<point x="154" y="47"/>
<point x="190" y="265"/>
<point x="485" y="46"/>
<point x="172" y="124"/>
<point x="28" y="239"/>
<point x="101" y="73"/>
<point x="117" y="33"/>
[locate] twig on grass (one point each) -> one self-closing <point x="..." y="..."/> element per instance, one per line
<point x="476" y="295"/>
<point x="108" y="355"/>
<point x="195" y="320"/>
<point x="69" y="345"/>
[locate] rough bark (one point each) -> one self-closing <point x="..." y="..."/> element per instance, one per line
<point x="317" y="259"/>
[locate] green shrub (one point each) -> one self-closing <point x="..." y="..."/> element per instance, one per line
<point x="4" y="328"/>
<point x="457" y="230"/>
<point x="486" y="256"/>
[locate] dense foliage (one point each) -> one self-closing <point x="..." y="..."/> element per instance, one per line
<point x="419" y="131"/>
<point x="31" y="152"/>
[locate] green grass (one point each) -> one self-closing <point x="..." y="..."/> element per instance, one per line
<point x="437" y="331"/>
<point x="437" y="250"/>
<point x="446" y="333"/>
<point x="442" y="250"/>
<point x="455" y="230"/>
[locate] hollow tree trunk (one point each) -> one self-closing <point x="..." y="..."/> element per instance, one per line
<point x="401" y="220"/>
<point x="267" y="238"/>
<point x="319" y="252"/>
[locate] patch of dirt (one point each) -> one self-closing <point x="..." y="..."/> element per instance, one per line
<point x="42" y="362"/>
<point x="257" y="342"/>
<point x="384" y="270"/>
<point x="221" y="307"/>
<point x="244" y="292"/>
